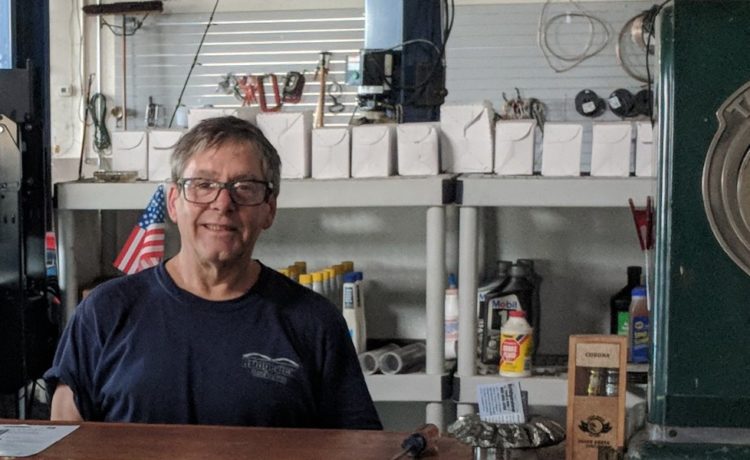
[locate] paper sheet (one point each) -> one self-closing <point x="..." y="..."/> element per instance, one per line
<point x="27" y="440"/>
<point x="501" y="403"/>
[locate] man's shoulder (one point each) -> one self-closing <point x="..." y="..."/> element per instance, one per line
<point x="120" y="293"/>
<point x="294" y="299"/>
<point x="126" y="283"/>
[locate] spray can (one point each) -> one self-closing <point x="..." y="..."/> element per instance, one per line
<point x="516" y="343"/>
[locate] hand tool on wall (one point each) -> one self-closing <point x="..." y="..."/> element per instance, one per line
<point x="321" y="74"/>
<point x="253" y="90"/>
<point x="294" y="83"/>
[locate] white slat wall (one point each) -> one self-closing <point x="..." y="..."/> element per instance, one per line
<point x="161" y="52"/>
<point x="492" y="49"/>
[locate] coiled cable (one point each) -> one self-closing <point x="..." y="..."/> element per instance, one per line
<point x="97" y="106"/>
<point x="586" y="53"/>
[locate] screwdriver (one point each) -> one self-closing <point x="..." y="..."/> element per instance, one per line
<point x="423" y="440"/>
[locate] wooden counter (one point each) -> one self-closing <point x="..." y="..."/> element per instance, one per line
<point x="115" y="441"/>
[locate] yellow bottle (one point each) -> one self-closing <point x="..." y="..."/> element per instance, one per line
<point x="516" y="340"/>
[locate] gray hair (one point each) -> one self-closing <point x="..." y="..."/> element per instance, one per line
<point x="214" y="132"/>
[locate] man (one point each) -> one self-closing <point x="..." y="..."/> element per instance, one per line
<point x="212" y="336"/>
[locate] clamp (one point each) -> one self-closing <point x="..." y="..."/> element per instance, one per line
<point x="253" y="90"/>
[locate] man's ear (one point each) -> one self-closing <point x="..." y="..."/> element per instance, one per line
<point x="173" y="193"/>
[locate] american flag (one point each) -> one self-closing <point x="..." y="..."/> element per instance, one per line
<point x="145" y="245"/>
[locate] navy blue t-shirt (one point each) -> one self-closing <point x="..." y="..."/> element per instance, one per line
<point x="140" y="349"/>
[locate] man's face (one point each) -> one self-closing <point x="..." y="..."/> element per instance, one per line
<point x="221" y="232"/>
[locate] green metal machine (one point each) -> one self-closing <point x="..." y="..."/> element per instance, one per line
<point x="699" y="407"/>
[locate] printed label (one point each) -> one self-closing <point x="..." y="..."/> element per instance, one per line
<point x="623" y="323"/>
<point x="451" y="329"/>
<point x="640" y="340"/>
<point x="515" y="353"/>
<point x="349" y="297"/>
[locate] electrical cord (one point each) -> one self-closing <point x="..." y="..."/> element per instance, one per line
<point x="586" y="53"/>
<point x="440" y="61"/>
<point x="98" y="108"/>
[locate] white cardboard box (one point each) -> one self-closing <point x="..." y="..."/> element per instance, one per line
<point x="290" y="135"/>
<point x="466" y="139"/>
<point x="645" y="150"/>
<point x="130" y="152"/>
<point x="331" y="153"/>
<point x="514" y="147"/>
<point x="373" y="150"/>
<point x="610" y="149"/>
<point x="418" y="148"/>
<point x="561" y="149"/>
<point x="161" y="143"/>
<point x="198" y="114"/>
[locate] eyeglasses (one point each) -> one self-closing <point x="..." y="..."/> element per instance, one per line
<point x="247" y="192"/>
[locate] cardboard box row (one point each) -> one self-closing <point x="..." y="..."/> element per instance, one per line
<point x="466" y="140"/>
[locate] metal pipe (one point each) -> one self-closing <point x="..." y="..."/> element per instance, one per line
<point x="435" y="290"/>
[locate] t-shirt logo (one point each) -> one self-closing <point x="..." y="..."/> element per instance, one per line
<point x="264" y="367"/>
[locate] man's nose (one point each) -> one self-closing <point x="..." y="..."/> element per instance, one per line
<point x="224" y="199"/>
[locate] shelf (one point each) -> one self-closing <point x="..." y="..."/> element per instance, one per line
<point x="408" y="387"/>
<point x="295" y="193"/>
<point x="543" y="390"/>
<point x="486" y="190"/>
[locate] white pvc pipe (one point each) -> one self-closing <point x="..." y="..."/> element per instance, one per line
<point x="467" y="298"/>
<point x="369" y="361"/>
<point x="435" y="290"/>
<point x="406" y="359"/>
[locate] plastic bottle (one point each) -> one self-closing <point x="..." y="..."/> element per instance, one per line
<point x="331" y="291"/>
<point x="619" y="304"/>
<point x="360" y="311"/>
<point x="490" y="289"/>
<point x="301" y="266"/>
<point x="305" y="279"/>
<point x="516" y="346"/>
<point x="451" y="317"/>
<point x="317" y="282"/>
<point x="349" y="303"/>
<point x="347" y="266"/>
<point x="514" y="294"/>
<point x="639" y="331"/>
<point x="293" y="272"/>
